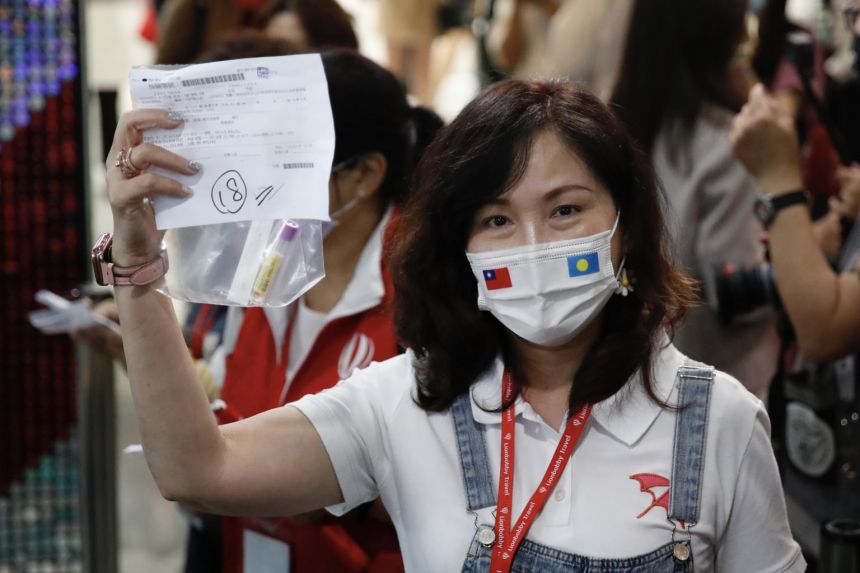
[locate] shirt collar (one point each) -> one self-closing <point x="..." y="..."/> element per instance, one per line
<point x="366" y="289"/>
<point x="487" y="396"/>
<point x="630" y="412"/>
<point x="626" y="415"/>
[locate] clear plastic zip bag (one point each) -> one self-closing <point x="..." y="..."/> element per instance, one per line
<point x="247" y="263"/>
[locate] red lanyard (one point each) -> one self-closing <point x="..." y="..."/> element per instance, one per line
<point x="508" y="540"/>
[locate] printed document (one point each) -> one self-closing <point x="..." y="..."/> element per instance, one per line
<point x="260" y="128"/>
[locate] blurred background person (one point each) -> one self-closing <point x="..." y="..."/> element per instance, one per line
<point x="827" y="324"/>
<point x="516" y="40"/>
<point x="409" y="27"/>
<point x="578" y="39"/>
<point x="790" y="62"/>
<point x="684" y="74"/>
<point x="815" y="407"/>
<point x="307" y="24"/>
<point x="189" y="28"/>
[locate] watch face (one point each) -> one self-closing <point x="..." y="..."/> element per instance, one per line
<point x="98" y="269"/>
<point x="97" y="258"/>
<point x="763" y="210"/>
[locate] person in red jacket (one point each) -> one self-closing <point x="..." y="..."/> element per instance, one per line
<point x="275" y="355"/>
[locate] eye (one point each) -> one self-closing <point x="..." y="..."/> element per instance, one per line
<point x="565" y="211"/>
<point x="496" y="221"/>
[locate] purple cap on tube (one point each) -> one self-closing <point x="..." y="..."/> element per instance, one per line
<point x="289" y="230"/>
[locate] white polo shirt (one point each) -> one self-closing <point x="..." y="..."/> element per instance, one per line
<point x="382" y="444"/>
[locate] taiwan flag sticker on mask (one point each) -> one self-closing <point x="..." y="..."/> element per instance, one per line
<point x="581" y="265"/>
<point x="497" y="278"/>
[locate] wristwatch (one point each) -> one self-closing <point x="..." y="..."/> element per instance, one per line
<point x="107" y="273"/>
<point x="767" y="206"/>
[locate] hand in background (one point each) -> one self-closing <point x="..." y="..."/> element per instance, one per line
<point x="101" y="338"/>
<point x="765" y="142"/>
<point x="847" y="205"/>
<point x="828" y="232"/>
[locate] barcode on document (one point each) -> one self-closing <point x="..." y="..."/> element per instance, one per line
<point x="298" y="165"/>
<point x="213" y="80"/>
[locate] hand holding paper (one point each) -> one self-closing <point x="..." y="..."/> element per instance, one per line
<point x="63" y="316"/>
<point x="261" y="129"/>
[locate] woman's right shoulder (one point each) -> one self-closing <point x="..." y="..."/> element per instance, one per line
<point x="386" y="383"/>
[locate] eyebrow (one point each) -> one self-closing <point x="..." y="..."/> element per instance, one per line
<point x="563" y="188"/>
<point x="548" y="196"/>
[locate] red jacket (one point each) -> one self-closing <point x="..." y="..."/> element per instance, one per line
<point x="255" y="378"/>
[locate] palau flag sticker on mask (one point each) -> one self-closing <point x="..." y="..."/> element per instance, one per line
<point x="581" y="265"/>
<point x="497" y="278"/>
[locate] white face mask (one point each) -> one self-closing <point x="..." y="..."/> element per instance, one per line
<point x="547" y="293"/>
<point x="328" y="226"/>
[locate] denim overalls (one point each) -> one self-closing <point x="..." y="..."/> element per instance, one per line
<point x="688" y="461"/>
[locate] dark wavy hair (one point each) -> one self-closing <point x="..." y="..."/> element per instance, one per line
<point x="479" y="156"/>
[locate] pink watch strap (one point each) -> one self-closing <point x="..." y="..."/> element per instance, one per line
<point x="140" y="275"/>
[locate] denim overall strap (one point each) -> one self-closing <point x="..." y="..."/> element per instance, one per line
<point x="691" y="425"/>
<point x="473" y="455"/>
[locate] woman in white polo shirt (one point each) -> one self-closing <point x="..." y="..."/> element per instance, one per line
<point x="549" y="427"/>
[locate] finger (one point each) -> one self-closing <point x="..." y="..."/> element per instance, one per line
<point x="744" y="124"/>
<point x="758" y="91"/>
<point x="846" y="175"/>
<point x="130" y="192"/>
<point x="742" y="120"/>
<point x="745" y="112"/>
<point x="147" y="155"/>
<point x="774" y="107"/>
<point x="132" y="124"/>
<point x="758" y="97"/>
<point x="837" y="208"/>
<point x="139" y="120"/>
<point x="739" y="131"/>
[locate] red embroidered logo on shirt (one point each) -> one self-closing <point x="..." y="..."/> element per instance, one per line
<point x="647" y="484"/>
<point x="356" y="354"/>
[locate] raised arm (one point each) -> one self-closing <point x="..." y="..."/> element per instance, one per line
<point x="271" y="464"/>
<point x="824" y="306"/>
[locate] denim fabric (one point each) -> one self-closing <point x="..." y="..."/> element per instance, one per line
<point x="691" y="425"/>
<point x="473" y="455"/>
<point x="533" y="557"/>
<point x="687" y="463"/>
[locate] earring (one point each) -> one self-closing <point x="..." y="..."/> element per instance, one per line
<point x="625" y="283"/>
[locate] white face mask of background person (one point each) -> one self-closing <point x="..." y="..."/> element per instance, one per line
<point x="328" y="226"/>
<point x="547" y="293"/>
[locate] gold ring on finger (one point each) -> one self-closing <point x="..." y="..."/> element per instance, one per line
<point x="123" y="161"/>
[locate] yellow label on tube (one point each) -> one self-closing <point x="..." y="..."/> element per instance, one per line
<point x="267" y="273"/>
